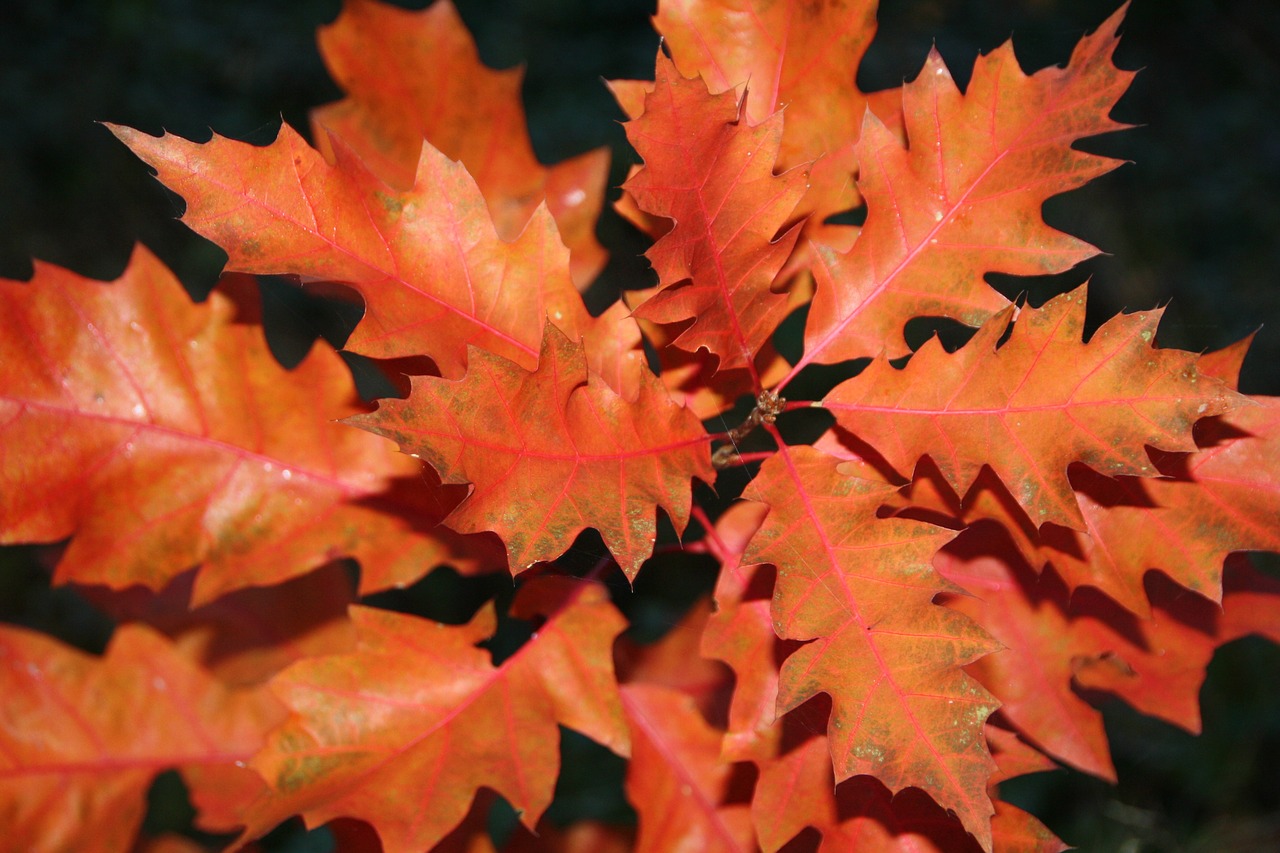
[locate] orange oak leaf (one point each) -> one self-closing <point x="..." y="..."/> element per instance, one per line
<point x="83" y="738"/>
<point x="962" y="197"/>
<point x="435" y="275"/>
<point x="675" y="661"/>
<point x="1032" y="674"/>
<point x="402" y="731"/>
<point x="415" y="75"/>
<point x="861" y="589"/>
<point x="695" y="379"/>
<point x="1210" y="503"/>
<point x="796" y="789"/>
<point x="160" y="434"/>
<point x="1160" y="670"/>
<point x="676" y="780"/>
<point x="1055" y="641"/>
<point x="552" y="452"/>
<point x="740" y="631"/>
<point x="1033" y="405"/>
<point x="801" y="56"/>
<point x="711" y="172"/>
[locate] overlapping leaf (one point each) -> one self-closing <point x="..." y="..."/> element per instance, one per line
<point x="1034" y="405"/>
<point x="160" y="435"/>
<point x="433" y="271"/>
<point x="796" y="789"/>
<point x="1055" y="642"/>
<point x="861" y="588"/>
<point x="403" y="731"/>
<point x="962" y="197"/>
<point x="711" y="172"/>
<point x="740" y="632"/>
<point x="552" y="452"/>
<point x="801" y="56"/>
<point x="676" y="779"/>
<point x="1220" y="499"/>
<point x="415" y="75"/>
<point x="83" y="738"/>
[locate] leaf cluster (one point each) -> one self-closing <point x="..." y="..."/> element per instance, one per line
<point x="926" y="596"/>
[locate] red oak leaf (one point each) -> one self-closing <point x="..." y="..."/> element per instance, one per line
<point x="1055" y="641"/>
<point x="1210" y="503"/>
<point x="861" y="588"/>
<point x="1161" y="669"/>
<point x="711" y="173"/>
<point x="1033" y="405"/>
<point x="675" y="661"/>
<point x="160" y="435"/>
<point x="801" y="56"/>
<point x="552" y="452"/>
<point x="676" y="780"/>
<point x="962" y="196"/>
<point x="83" y="738"/>
<point x="740" y="632"/>
<point x="1032" y="674"/>
<point x="417" y="714"/>
<point x="435" y="275"/>
<point x="415" y="75"/>
<point x="796" y="789"/>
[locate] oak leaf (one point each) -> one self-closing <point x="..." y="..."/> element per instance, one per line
<point x="1056" y="642"/>
<point x="417" y="714"/>
<point x="711" y="173"/>
<point x="676" y="780"/>
<point x="861" y="589"/>
<point x="1033" y="405"/>
<point x="160" y="434"/>
<point x="962" y="196"/>
<point x="1209" y="503"/>
<point x="415" y="75"/>
<point x="801" y="56"/>
<point x="248" y="635"/>
<point x="552" y="452"/>
<point x="83" y="738"/>
<point x="434" y="273"/>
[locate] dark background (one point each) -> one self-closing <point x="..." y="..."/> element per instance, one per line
<point x="1192" y="222"/>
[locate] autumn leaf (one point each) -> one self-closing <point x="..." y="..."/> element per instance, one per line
<point x="1160" y="669"/>
<point x="1032" y="674"/>
<point x="740" y="631"/>
<point x="552" y="452"/>
<point x="861" y="588"/>
<point x="962" y="196"/>
<point x="1209" y="503"/>
<point x="801" y="56"/>
<point x="159" y="435"/>
<point x="675" y="661"/>
<point x="676" y="780"/>
<point x="796" y="789"/>
<point x="83" y="738"/>
<point x="1056" y="642"/>
<point x="415" y="75"/>
<point x="711" y="173"/>
<point x="418" y="714"/>
<point x="435" y="275"/>
<point x="1035" y="404"/>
